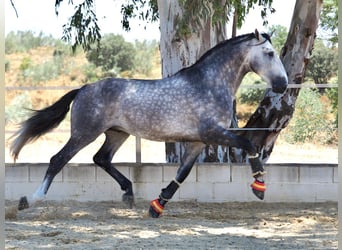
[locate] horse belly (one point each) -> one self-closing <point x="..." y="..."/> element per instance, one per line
<point x="160" y="124"/>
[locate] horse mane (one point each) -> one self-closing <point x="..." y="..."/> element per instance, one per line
<point x="232" y="41"/>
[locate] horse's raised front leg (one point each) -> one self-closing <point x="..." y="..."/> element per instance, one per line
<point x="103" y="158"/>
<point x="220" y="136"/>
<point x="192" y="150"/>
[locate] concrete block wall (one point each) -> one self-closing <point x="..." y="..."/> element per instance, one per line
<point x="210" y="182"/>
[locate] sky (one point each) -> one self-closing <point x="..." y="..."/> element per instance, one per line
<point x="39" y="15"/>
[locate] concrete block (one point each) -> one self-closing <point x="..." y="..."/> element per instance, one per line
<point x="229" y="192"/>
<point x="188" y="191"/>
<point x="283" y="174"/>
<point x="290" y="192"/>
<point x="100" y="192"/>
<point x="241" y="173"/>
<point x="78" y="173"/>
<point x="15" y="190"/>
<point x="104" y="191"/>
<point x="316" y="174"/>
<point x="68" y="191"/>
<point x="335" y="172"/>
<point x="205" y="192"/>
<point x="213" y="173"/>
<point x="86" y="191"/>
<point x="205" y="183"/>
<point x="147" y="191"/>
<point x="146" y="173"/>
<point x="169" y="172"/>
<point x="16" y="174"/>
<point x="326" y="192"/>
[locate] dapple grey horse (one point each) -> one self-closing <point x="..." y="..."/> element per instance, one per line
<point x="194" y="106"/>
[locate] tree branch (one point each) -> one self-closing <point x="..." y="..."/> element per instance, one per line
<point x="15" y="10"/>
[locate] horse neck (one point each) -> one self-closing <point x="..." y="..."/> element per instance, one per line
<point x="226" y="68"/>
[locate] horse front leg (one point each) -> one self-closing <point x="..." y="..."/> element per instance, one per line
<point x="258" y="186"/>
<point x="220" y="136"/>
<point x="192" y="150"/>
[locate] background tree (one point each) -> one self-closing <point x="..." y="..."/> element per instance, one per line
<point x="329" y="20"/>
<point x="145" y="52"/>
<point x="113" y="54"/>
<point x="279" y="35"/>
<point x="323" y="63"/>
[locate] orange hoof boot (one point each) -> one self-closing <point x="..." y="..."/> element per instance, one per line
<point x="258" y="188"/>
<point x="156" y="209"/>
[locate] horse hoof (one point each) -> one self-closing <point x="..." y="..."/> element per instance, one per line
<point x="258" y="188"/>
<point x="259" y="194"/>
<point x="23" y="203"/>
<point x="156" y="209"/>
<point x="153" y="213"/>
<point x="128" y="200"/>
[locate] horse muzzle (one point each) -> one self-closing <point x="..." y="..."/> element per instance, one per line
<point x="279" y="84"/>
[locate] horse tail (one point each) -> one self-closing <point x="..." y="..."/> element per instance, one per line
<point x="41" y="122"/>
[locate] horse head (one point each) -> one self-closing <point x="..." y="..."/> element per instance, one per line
<point x="264" y="61"/>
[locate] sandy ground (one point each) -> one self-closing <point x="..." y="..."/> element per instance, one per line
<point x="184" y="225"/>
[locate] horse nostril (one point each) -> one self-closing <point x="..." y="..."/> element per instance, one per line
<point x="279" y="85"/>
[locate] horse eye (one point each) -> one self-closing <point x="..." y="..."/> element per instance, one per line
<point x="270" y="54"/>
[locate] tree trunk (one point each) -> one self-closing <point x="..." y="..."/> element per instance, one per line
<point x="276" y="110"/>
<point x="178" y="52"/>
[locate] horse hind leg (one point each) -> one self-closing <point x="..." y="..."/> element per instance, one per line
<point x="103" y="158"/>
<point x="57" y="162"/>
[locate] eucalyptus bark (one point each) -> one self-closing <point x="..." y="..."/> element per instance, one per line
<point x="275" y="110"/>
<point x="179" y="51"/>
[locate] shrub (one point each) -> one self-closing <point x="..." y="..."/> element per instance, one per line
<point x="252" y="95"/>
<point x="309" y="120"/>
<point x="46" y="71"/>
<point x="332" y="94"/>
<point x="144" y="54"/>
<point x="91" y="73"/>
<point x="17" y="110"/>
<point x="24" y="66"/>
<point x="22" y="41"/>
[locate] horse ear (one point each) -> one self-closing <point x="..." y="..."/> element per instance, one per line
<point x="257" y="35"/>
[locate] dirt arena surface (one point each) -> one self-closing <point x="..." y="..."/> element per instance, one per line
<point x="184" y="225"/>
